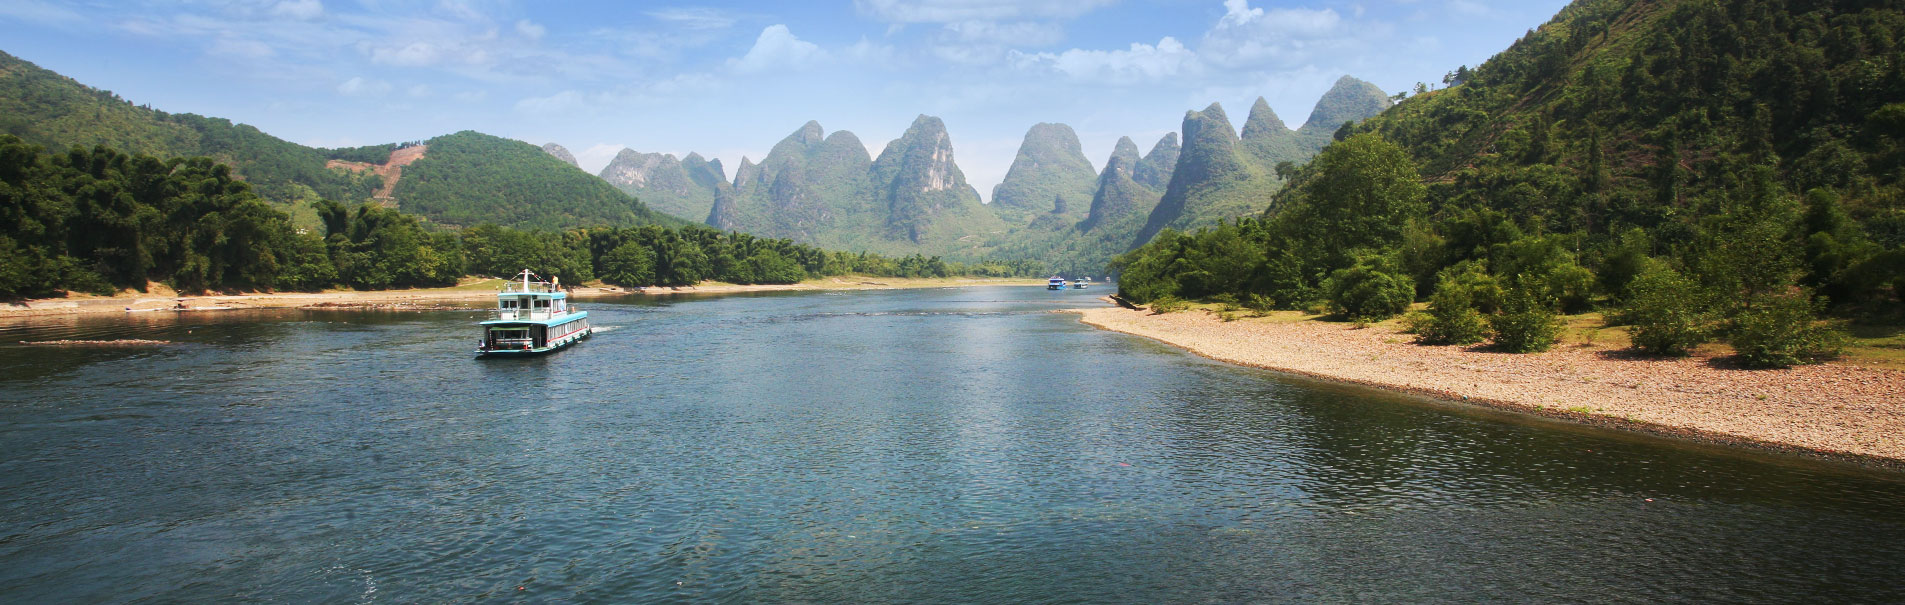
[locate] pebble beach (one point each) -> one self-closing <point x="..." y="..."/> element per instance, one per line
<point x="1827" y="410"/>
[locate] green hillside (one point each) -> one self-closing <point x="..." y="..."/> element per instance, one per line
<point x="1050" y="175"/>
<point x="56" y="112"/>
<point x="1213" y="179"/>
<point x="470" y="178"/>
<point x="1703" y="170"/>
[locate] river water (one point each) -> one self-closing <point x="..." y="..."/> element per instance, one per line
<point x="876" y="446"/>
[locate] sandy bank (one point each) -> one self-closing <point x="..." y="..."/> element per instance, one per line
<point x="471" y="291"/>
<point x="1830" y="410"/>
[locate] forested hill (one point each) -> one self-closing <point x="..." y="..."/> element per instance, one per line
<point x="56" y="112"/>
<point x="1629" y="112"/>
<point x="469" y="178"/>
<point x="464" y="179"/>
<point x="1701" y="169"/>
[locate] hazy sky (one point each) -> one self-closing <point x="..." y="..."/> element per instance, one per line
<point x="729" y="79"/>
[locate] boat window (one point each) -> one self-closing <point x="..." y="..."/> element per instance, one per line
<point x="509" y="304"/>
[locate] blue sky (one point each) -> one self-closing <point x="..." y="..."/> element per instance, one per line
<point x="729" y="79"/>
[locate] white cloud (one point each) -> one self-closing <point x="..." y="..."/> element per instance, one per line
<point x="694" y="17"/>
<point x="304" y="10"/>
<point x="1281" y="37"/>
<point x="1139" y="63"/>
<point x="414" y="54"/>
<point x="777" y="48"/>
<point x="530" y="30"/>
<point x="953" y="11"/>
<point x="360" y="87"/>
<point x="1022" y="33"/>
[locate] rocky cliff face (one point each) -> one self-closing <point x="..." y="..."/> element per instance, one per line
<point x="559" y="152"/>
<point x="922" y="190"/>
<point x="1050" y="168"/>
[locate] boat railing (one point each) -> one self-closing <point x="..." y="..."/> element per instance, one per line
<point x="531" y="315"/>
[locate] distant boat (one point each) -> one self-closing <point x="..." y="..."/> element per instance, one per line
<point x="532" y="318"/>
<point x="1055" y="283"/>
<point x="1080" y="284"/>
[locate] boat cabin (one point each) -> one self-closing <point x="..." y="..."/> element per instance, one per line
<point x="532" y="317"/>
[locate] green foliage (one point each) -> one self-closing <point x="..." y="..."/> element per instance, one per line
<point x="1620" y="132"/>
<point x="1168" y="304"/>
<point x="98" y="220"/>
<point x="1665" y="310"/>
<point x="1780" y="330"/>
<point x="47" y="109"/>
<point x="1369" y="291"/>
<point x="1527" y="321"/>
<point x="1050" y="166"/>
<point x="1452" y="318"/>
<point x="469" y="178"/>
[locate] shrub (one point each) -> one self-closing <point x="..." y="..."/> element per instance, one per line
<point x="1779" y="331"/>
<point x="1527" y="322"/>
<point x="1665" y="310"/>
<point x="1168" y="304"/>
<point x="1573" y="287"/>
<point x="1366" y="293"/>
<point x="1483" y="290"/>
<point x="1452" y="318"/>
<point x="1259" y="304"/>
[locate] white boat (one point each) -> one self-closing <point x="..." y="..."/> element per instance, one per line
<point x="532" y="318"/>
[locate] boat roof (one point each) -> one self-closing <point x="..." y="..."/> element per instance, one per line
<point x="554" y="321"/>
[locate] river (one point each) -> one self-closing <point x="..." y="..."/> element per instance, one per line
<point x="942" y="445"/>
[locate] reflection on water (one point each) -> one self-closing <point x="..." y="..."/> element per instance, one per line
<point x="933" y="445"/>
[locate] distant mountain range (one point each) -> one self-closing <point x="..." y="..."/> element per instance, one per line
<point x="823" y="189"/>
<point x="812" y="187"/>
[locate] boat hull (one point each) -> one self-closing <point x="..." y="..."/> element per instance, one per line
<point x="560" y="344"/>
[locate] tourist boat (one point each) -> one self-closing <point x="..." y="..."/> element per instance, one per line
<point x="532" y="317"/>
<point x="1055" y="283"/>
<point x="1080" y="284"/>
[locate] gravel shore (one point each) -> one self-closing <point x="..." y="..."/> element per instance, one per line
<point x="1828" y="410"/>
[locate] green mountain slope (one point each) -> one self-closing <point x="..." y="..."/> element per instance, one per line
<point x="54" y="111"/>
<point x="663" y="182"/>
<point x="1154" y="171"/>
<point x="1050" y="175"/>
<point x="470" y="178"/>
<point x="1118" y="194"/>
<point x="1268" y="140"/>
<point x="1701" y="170"/>
<point x="1214" y="179"/>
<point x="925" y="195"/>
<point x="1349" y="100"/>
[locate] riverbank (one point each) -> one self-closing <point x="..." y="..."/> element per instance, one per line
<point x="1829" y="410"/>
<point x="158" y="298"/>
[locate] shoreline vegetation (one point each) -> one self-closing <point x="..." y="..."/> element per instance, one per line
<point x="1834" y="411"/>
<point x="159" y="298"/>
